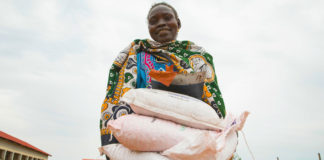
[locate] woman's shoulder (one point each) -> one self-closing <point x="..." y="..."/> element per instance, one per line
<point x="133" y="43"/>
<point x="197" y="49"/>
<point x="136" y="41"/>
<point x="193" y="47"/>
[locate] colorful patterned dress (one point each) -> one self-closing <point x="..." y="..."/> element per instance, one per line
<point x="132" y="65"/>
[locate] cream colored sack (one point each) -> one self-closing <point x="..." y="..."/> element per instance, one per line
<point x="177" y="142"/>
<point x="175" y="107"/>
<point x="119" y="152"/>
<point x="206" y="146"/>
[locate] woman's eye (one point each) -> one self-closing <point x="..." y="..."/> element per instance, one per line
<point x="168" y="17"/>
<point x="153" y="21"/>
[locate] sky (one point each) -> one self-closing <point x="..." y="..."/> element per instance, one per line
<point x="268" y="55"/>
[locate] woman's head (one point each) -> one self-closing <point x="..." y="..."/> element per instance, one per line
<point x="163" y="22"/>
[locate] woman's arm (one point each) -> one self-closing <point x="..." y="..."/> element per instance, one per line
<point x="212" y="94"/>
<point x="110" y="109"/>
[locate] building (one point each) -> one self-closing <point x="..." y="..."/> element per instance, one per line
<point x="12" y="148"/>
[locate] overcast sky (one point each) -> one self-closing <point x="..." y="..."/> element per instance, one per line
<point x="268" y="56"/>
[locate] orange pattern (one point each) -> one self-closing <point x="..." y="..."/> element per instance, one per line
<point x="165" y="77"/>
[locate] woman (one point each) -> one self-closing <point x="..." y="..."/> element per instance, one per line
<point x="132" y="65"/>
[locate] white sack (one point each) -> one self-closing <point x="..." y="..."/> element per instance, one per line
<point x="205" y="146"/>
<point x="175" y="107"/>
<point x="119" y="152"/>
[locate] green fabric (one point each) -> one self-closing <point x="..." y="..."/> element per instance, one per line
<point x="186" y="57"/>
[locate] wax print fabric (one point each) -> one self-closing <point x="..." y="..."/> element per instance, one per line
<point x="130" y="70"/>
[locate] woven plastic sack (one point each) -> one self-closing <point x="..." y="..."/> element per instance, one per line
<point x="144" y="133"/>
<point x="119" y="152"/>
<point x="175" y="107"/>
<point x="210" y="146"/>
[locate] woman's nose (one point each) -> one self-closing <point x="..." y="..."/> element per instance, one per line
<point x="161" y="22"/>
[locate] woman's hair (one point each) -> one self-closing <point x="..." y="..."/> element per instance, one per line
<point x="165" y="4"/>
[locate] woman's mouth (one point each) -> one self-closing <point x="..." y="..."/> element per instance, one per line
<point x="163" y="30"/>
<point x="163" y="33"/>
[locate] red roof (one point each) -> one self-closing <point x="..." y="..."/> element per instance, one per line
<point x="21" y="142"/>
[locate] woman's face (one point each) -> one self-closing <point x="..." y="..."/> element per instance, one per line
<point x="162" y="24"/>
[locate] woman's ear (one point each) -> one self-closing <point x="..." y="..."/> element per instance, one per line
<point x="179" y="23"/>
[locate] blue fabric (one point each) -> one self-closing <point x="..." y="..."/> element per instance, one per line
<point x="146" y="62"/>
<point x="140" y="81"/>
